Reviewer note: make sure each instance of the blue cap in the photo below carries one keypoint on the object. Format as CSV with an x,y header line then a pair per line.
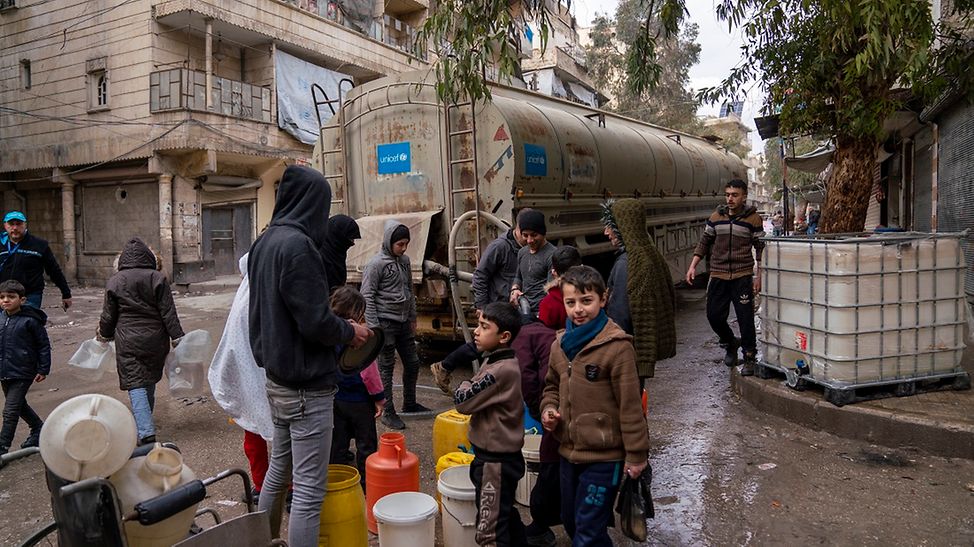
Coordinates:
x,y
15,215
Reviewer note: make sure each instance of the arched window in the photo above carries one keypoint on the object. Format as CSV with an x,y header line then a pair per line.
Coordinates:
x,y
101,90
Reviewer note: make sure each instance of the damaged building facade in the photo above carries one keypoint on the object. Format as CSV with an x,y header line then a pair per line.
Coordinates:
x,y
172,120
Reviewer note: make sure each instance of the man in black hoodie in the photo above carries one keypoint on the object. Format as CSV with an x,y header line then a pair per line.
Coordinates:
x,y
293,334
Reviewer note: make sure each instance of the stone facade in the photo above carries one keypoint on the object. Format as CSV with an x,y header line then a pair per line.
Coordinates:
x,y
120,119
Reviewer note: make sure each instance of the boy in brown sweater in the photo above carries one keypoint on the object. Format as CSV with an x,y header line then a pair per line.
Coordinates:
x,y
493,399
591,403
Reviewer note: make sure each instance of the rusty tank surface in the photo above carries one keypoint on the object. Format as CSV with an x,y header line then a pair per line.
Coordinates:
x,y
455,174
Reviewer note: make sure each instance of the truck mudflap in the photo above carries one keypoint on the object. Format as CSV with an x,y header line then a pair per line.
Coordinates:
x,y
372,229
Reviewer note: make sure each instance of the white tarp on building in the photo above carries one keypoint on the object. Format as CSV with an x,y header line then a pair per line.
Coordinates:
x,y
295,107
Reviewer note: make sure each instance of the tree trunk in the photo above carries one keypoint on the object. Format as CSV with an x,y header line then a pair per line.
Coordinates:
x,y
848,190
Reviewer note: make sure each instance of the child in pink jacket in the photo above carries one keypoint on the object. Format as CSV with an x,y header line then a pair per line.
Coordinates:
x,y
360,397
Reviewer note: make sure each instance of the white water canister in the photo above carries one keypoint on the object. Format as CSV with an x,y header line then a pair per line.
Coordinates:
x,y
459,508
145,478
93,358
88,436
532,463
406,519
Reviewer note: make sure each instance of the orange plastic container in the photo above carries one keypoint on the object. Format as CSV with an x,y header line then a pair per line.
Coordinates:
x,y
391,469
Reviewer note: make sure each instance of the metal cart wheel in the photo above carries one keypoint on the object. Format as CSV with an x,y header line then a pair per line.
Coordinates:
x,y
45,536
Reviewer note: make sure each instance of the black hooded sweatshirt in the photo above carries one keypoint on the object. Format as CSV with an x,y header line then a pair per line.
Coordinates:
x,y
293,331
342,233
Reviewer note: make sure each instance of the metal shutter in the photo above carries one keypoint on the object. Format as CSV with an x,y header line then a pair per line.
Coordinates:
x,y
955,185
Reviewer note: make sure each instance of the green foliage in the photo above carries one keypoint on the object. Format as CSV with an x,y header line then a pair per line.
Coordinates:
x,y
474,38
833,66
671,103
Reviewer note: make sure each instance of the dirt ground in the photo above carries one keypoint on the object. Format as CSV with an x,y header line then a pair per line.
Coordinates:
x,y
724,474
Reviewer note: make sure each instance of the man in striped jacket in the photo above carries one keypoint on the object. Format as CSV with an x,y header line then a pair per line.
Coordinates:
x,y
732,231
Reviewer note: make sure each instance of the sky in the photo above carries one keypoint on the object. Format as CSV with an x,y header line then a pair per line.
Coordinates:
x,y
719,51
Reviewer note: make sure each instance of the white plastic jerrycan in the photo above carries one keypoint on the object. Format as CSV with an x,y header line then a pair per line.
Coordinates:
x,y
144,478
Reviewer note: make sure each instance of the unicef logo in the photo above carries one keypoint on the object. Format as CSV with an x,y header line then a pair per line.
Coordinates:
x,y
394,158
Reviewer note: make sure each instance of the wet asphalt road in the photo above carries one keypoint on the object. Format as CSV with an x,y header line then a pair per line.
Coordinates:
x,y
724,474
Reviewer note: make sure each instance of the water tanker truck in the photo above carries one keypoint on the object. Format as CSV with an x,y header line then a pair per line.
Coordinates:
x,y
456,174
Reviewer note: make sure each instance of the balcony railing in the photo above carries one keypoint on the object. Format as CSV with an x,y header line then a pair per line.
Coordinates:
x,y
184,89
386,29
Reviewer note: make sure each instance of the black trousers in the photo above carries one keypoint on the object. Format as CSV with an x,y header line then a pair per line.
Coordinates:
x,y
495,477
15,407
399,337
721,293
463,355
546,498
353,420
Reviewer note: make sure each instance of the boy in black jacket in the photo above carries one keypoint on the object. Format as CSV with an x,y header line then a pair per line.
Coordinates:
x,y
25,358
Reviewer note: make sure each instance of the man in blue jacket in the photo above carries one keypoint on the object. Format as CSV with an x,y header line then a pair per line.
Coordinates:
x,y
26,257
293,334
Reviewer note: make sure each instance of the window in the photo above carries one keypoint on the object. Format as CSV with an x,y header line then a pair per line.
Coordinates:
x,y
7,4
101,90
25,73
97,84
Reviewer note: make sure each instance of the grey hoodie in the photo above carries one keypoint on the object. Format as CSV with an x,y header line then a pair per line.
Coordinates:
x,y
387,285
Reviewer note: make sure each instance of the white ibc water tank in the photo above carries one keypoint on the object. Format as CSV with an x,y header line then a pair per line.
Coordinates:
x,y
861,310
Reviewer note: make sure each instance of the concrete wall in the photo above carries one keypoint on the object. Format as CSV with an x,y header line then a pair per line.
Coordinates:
x,y
186,220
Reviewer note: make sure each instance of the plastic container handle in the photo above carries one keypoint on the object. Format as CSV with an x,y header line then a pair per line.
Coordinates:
x,y
399,455
456,518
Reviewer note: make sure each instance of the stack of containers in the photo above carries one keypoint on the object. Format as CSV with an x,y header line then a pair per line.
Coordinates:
x,y
865,310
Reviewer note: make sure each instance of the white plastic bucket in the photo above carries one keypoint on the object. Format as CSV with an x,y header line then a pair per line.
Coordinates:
x,y
532,461
406,519
459,509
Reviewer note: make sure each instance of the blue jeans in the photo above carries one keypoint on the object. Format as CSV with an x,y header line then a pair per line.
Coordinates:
x,y
35,299
143,403
303,424
588,494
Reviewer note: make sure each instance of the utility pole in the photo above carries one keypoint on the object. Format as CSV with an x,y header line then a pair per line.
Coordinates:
x,y
784,184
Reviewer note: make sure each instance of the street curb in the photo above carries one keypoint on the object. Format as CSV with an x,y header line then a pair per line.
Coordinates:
x,y
878,426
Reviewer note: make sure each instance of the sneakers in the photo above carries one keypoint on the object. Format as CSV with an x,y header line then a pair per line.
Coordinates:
x,y
730,358
392,420
441,377
34,439
414,408
750,361
151,439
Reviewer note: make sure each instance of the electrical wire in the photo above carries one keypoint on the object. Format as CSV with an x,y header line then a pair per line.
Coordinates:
x,y
116,158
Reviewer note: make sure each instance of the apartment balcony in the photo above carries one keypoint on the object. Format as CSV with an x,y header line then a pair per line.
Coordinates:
x,y
566,60
184,89
319,31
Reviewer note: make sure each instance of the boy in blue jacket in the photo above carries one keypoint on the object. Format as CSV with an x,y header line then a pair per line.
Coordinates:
x,y
25,358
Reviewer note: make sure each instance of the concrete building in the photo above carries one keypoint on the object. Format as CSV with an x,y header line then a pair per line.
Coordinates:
x,y
172,120
560,69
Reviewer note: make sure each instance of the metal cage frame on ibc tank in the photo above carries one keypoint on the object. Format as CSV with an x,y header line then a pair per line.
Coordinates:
x,y
818,359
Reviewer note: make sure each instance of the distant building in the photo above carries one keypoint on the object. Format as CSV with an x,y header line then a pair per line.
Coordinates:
x,y
173,120
560,71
